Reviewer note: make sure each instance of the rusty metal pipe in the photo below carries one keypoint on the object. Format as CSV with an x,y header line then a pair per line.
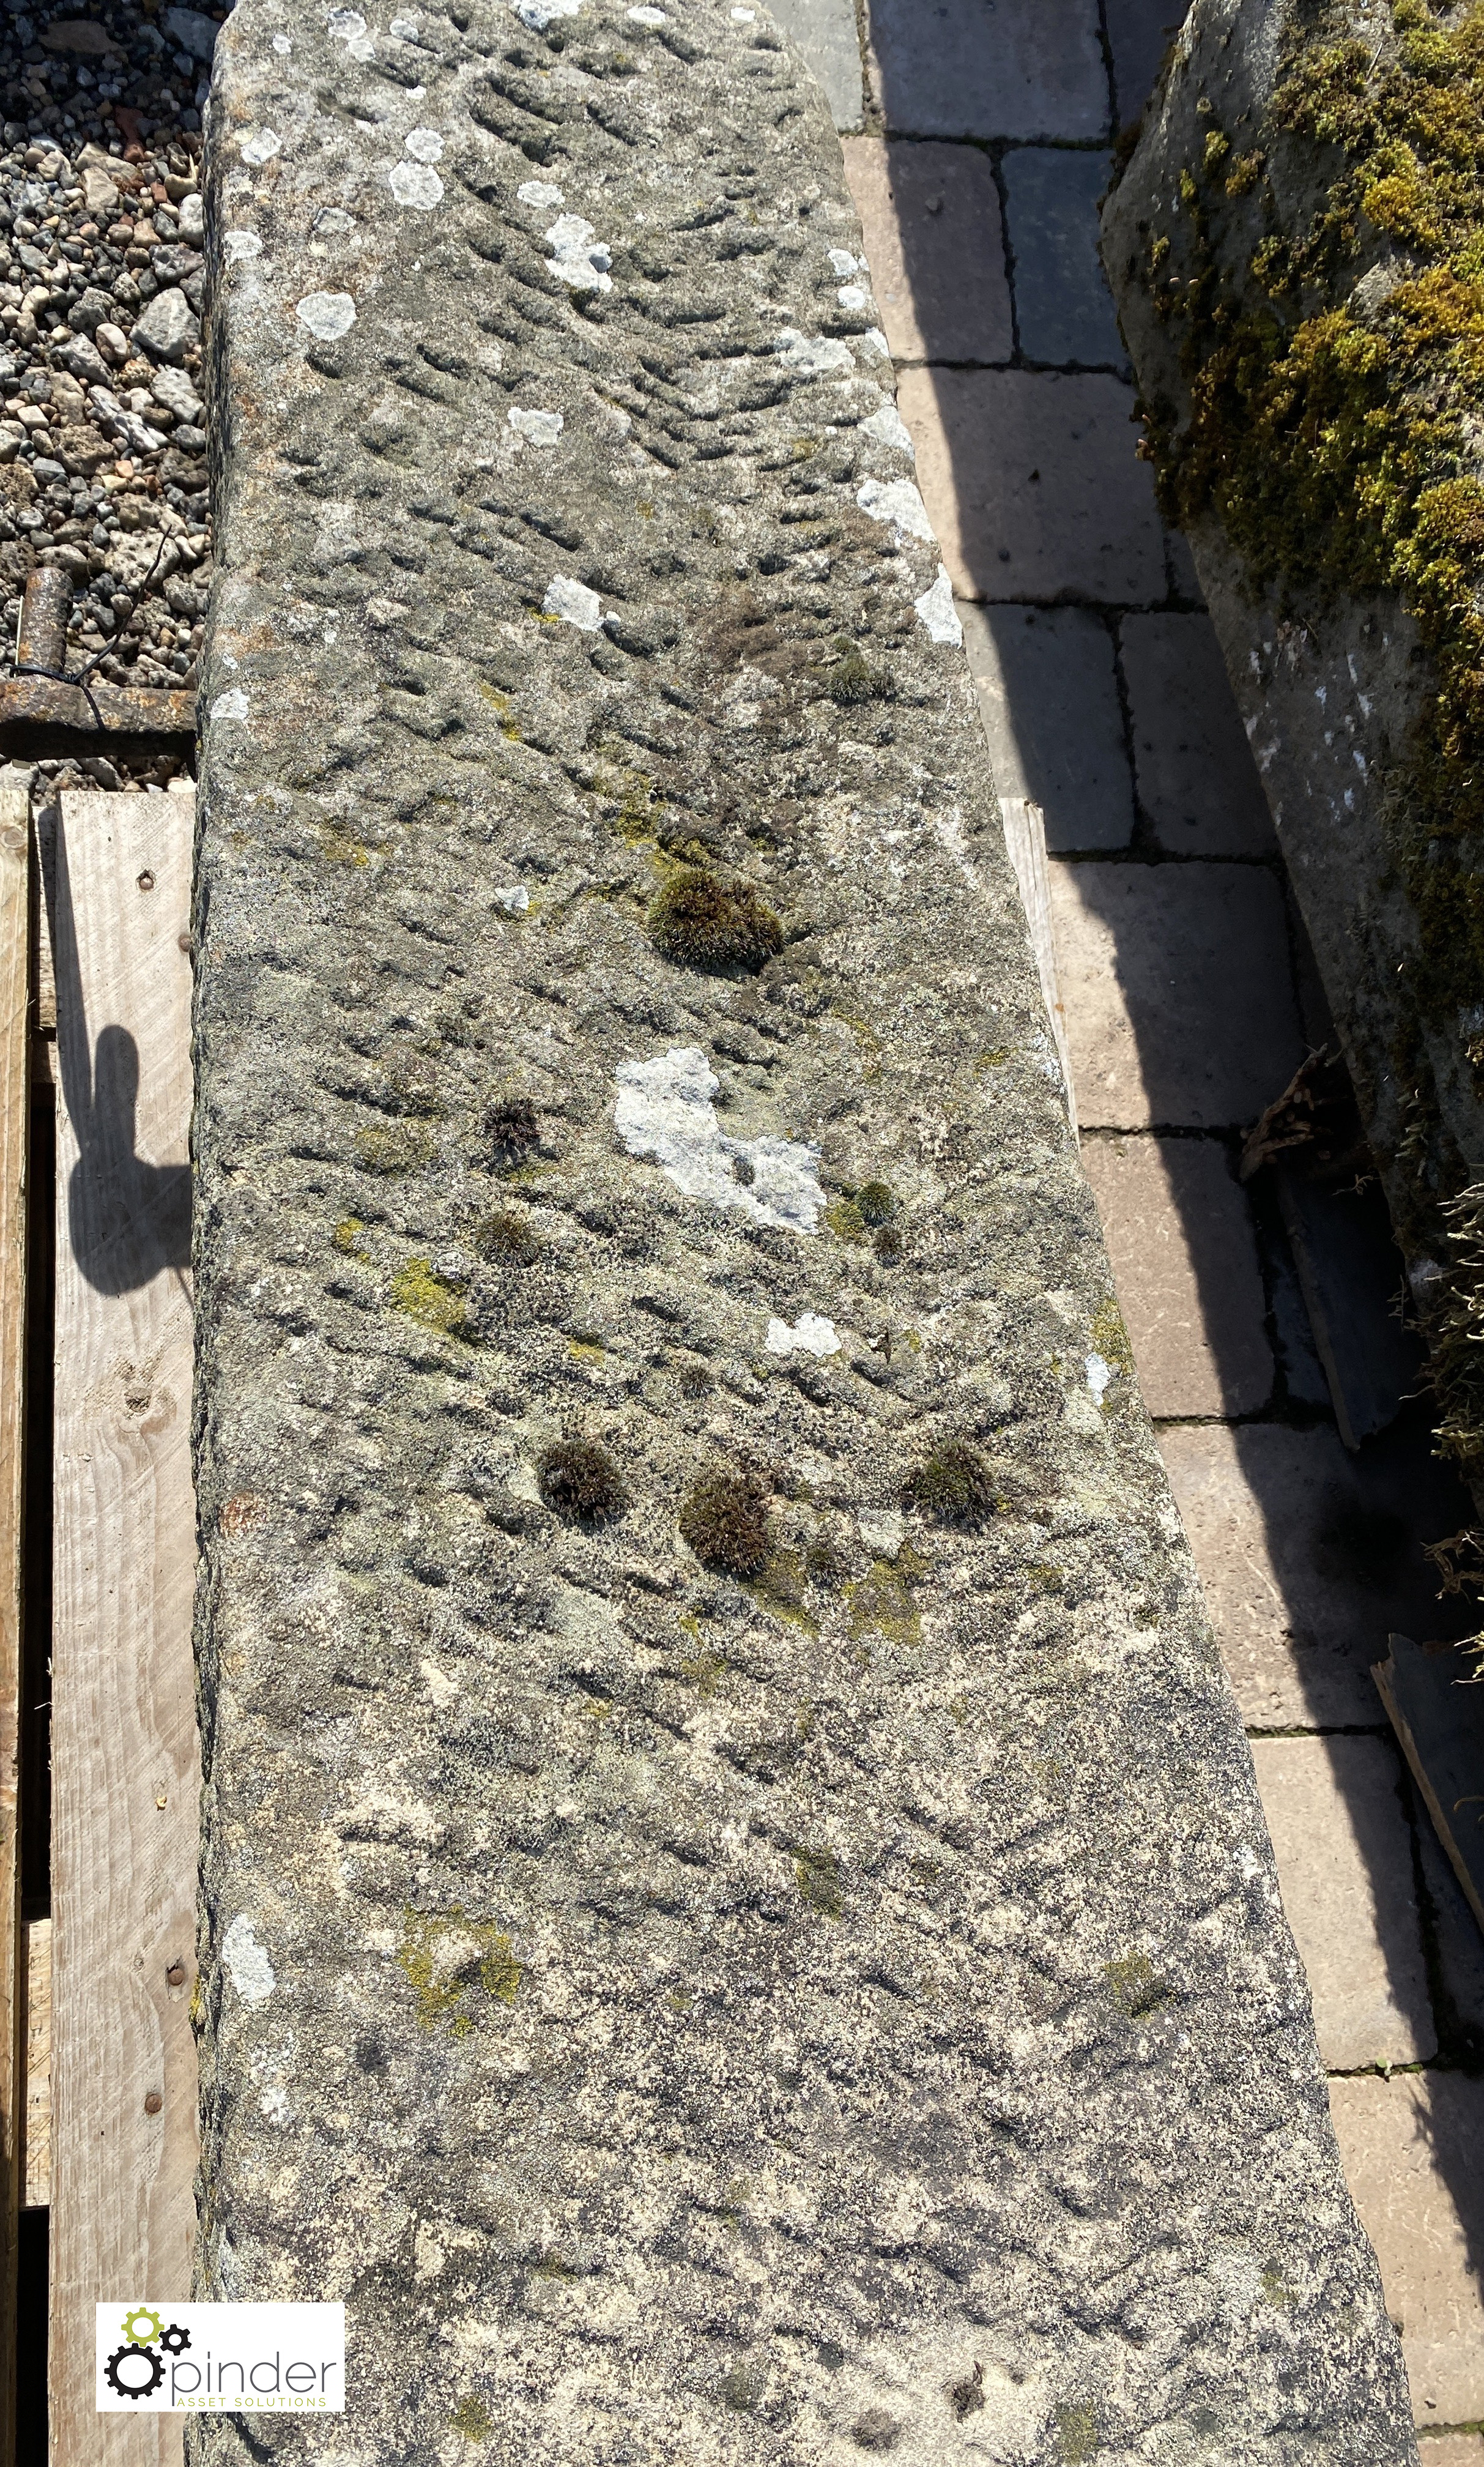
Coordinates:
x,y
45,609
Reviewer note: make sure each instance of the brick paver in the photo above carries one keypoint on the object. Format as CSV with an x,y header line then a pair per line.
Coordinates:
x,y
1179,1005
962,68
1032,487
1185,1265
1413,2152
1197,780
931,215
1344,1846
1305,1565
1063,308
1048,692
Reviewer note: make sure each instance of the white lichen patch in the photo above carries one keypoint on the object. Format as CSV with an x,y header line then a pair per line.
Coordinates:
x,y
416,185
936,607
578,258
649,16
853,298
327,314
349,27
537,427
874,344
809,1334
231,705
664,1113
238,246
332,223
538,14
842,263
514,899
888,427
573,601
423,144
1100,1377
258,145
539,193
898,502
246,1961
814,355
882,1529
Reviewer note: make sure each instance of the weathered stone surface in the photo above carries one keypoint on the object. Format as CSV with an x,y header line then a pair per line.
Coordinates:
x,y
1033,486
931,215
688,2017
1062,308
1048,690
1344,1851
1179,1005
1180,1236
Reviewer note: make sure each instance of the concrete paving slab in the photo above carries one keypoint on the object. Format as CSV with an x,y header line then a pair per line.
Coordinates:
x,y
1033,486
1063,304
1197,780
1413,2153
1456,1950
1451,2449
825,33
933,237
957,68
1186,1266
1185,581
1140,31
1344,1847
1175,979
1306,1565
1049,693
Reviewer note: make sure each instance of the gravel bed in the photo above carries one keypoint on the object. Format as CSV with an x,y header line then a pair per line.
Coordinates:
x,y
102,431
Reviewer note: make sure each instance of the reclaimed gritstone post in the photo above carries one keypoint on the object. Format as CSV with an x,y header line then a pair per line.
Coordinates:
x,y
739,1924
1292,247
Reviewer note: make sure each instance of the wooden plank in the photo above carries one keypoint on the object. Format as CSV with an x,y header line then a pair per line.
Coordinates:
x,y
1025,840
36,2171
1436,1707
14,1156
126,1763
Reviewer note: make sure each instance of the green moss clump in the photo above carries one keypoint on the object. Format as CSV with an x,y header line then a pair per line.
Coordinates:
x,y
844,1221
820,1881
393,1148
850,677
442,1984
877,1202
1076,2434
953,1484
472,2419
579,1481
425,1296
514,1130
724,1517
712,922
506,1238
1135,1986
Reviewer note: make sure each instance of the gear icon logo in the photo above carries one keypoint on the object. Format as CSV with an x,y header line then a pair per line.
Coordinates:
x,y
175,2338
142,2326
134,2371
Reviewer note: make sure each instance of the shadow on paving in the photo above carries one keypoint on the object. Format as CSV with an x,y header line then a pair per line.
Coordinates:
x,y
1312,1551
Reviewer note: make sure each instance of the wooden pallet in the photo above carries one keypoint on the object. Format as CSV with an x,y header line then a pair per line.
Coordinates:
x,y
125,1756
